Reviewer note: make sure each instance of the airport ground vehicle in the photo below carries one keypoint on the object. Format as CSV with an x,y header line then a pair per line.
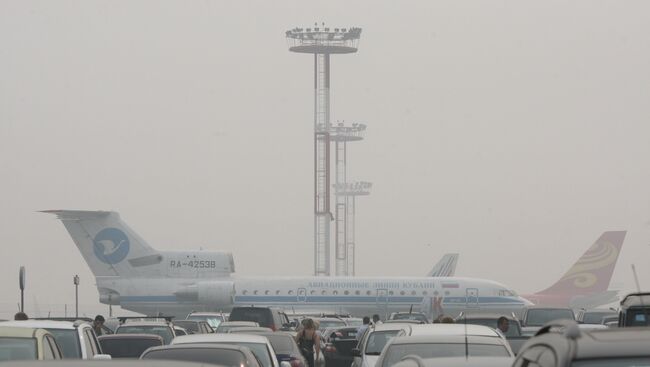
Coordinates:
x,y
225,326
212,318
77,340
18,343
128,345
418,316
373,342
221,354
285,347
635,310
513,335
562,343
164,329
195,327
594,316
259,345
534,317
436,346
269,317
415,361
337,345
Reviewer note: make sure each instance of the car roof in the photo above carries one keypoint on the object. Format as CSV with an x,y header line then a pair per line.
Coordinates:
x,y
391,326
636,299
239,323
495,316
447,339
129,336
451,361
144,323
216,338
248,329
21,332
201,346
547,308
630,342
44,324
453,329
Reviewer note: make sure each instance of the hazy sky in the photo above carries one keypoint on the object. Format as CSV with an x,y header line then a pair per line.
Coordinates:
x,y
512,132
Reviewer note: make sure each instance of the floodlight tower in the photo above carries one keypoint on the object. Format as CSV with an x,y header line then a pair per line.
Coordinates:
x,y
351,190
322,42
341,134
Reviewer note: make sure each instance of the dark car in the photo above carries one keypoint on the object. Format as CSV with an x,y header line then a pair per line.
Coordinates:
x,y
222,354
563,343
128,345
635,310
535,317
594,316
337,346
269,317
514,335
285,347
195,327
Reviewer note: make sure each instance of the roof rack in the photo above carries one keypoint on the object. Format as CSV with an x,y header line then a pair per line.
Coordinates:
x,y
123,319
568,328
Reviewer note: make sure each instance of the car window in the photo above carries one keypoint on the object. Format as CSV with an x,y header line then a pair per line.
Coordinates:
x,y
436,350
540,317
260,315
15,349
127,348
377,341
282,344
260,350
68,341
162,331
595,317
224,357
324,324
513,327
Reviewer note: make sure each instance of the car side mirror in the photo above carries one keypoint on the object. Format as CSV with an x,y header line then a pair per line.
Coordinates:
x,y
355,352
102,357
285,364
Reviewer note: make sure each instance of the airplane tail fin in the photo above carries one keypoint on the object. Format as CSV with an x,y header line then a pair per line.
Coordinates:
x,y
446,267
593,271
107,244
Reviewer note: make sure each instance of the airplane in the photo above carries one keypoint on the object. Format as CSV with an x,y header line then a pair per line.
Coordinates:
x,y
137,277
446,267
586,283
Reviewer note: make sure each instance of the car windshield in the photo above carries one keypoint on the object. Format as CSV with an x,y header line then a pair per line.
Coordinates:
x,y
409,316
213,321
377,341
639,317
260,350
540,317
127,348
223,357
354,322
188,325
513,327
283,344
162,331
324,324
614,362
430,350
15,349
260,315
68,341
595,317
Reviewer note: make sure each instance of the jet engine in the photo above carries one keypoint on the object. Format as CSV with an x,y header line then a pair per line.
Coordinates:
x,y
216,293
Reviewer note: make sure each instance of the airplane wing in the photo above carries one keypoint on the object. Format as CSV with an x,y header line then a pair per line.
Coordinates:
x,y
446,267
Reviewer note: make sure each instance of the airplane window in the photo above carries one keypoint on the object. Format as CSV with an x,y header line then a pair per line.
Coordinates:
x,y
335,293
346,292
402,293
413,293
390,293
323,293
357,293
368,293
244,292
266,292
446,293
290,292
312,292
424,293
277,292
255,291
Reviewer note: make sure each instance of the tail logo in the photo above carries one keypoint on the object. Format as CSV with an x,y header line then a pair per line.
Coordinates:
x,y
111,245
601,255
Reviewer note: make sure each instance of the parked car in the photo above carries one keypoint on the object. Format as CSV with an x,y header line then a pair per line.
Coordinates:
x,y
214,319
594,316
128,345
534,317
105,329
286,349
563,343
221,354
225,326
194,326
635,310
259,345
179,331
77,340
415,361
163,329
269,317
249,330
329,322
337,345
18,343
418,316
513,335
443,346
373,342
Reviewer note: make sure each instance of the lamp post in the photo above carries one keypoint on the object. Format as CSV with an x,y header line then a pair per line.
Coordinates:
x,y
21,284
75,280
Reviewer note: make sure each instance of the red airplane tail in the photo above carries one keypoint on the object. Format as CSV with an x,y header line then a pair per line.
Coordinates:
x,y
593,271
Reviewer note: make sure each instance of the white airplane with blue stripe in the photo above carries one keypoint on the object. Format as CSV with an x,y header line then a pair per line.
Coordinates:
x,y
135,276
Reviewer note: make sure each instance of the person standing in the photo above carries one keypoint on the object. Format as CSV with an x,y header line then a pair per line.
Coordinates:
x,y
97,325
362,329
308,341
503,324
